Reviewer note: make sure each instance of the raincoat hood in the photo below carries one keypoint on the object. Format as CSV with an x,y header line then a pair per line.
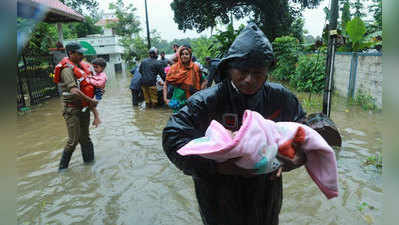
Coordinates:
x,y
250,46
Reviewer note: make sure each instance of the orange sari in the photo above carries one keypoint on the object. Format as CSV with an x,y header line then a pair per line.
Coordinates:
x,y
186,77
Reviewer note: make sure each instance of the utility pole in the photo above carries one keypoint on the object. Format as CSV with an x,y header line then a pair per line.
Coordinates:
x,y
148,26
332,37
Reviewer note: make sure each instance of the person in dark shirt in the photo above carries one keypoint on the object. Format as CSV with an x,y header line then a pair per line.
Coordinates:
x,y
149,69
163,60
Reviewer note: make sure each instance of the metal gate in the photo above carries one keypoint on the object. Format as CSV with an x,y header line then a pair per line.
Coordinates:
x,y
34,79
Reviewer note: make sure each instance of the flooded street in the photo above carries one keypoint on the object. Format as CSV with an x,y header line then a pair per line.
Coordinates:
x,y
133,182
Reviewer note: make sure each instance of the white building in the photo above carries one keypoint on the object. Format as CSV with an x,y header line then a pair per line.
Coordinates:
x,y
105,45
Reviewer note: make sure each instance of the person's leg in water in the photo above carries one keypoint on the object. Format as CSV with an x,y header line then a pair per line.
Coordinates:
x,y
135,97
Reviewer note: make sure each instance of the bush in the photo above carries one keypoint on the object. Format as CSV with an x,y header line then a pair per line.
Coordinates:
x,y
310,73
286,50
366,101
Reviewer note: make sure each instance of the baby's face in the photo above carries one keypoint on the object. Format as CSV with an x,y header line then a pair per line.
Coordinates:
x,y
233,134
98,68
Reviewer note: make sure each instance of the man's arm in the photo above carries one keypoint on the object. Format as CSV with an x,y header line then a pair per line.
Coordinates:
x,y
165,92
183,127
69,82
78,93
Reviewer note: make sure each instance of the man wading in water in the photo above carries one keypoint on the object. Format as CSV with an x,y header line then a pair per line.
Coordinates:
x,y
228,194
77,120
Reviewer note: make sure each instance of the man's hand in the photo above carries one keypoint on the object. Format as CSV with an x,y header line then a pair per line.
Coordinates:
x,y
93,102
230,168
289,164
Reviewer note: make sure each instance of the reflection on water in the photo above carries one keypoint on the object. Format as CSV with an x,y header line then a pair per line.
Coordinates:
x,y
132,181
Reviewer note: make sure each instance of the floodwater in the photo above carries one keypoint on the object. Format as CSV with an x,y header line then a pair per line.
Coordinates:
x,y
132,181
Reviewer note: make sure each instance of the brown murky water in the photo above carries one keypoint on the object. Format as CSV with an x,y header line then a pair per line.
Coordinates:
x,y
132,181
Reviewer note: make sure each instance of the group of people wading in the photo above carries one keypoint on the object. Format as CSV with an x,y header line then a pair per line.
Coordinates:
x,y
170,81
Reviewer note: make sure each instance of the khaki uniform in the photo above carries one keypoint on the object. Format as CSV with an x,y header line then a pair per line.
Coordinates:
x,y
77,122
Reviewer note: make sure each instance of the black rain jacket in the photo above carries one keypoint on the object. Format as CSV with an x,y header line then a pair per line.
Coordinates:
x,y
149,69
223,199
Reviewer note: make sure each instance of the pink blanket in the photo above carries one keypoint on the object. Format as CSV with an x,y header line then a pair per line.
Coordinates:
x,y
259,140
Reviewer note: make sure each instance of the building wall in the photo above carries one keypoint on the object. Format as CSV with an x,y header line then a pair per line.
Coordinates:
x,y
366,72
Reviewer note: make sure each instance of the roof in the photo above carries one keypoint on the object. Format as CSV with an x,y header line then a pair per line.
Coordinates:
x,y
56,11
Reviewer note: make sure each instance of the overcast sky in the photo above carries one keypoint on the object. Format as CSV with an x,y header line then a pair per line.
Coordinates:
x,y
160,16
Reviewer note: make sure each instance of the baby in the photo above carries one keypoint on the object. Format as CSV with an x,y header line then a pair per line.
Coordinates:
x,y
257,143
98,80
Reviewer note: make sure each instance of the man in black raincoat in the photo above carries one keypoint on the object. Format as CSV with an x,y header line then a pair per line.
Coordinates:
x,y
228,194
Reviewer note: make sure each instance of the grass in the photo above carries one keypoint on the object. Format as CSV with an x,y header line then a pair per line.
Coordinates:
x,y
366,101
375,160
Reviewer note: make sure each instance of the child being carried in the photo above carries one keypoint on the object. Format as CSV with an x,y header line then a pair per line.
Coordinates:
x,y
98,79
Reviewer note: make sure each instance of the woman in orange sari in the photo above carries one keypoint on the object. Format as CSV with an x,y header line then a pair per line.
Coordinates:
x,y
186,78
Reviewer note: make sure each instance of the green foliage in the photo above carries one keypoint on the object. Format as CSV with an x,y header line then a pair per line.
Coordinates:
x,y
273,17
286,50
224,39
375,160
365,205
43,37
128,23
356,30
296,29
82,6
376,9
326,11
135,48
345,14
366,101
128,27
358,9
82,29
202,48
310,73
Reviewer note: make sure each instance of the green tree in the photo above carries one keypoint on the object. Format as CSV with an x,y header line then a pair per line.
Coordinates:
x,y
345,13
202,48
81,6
82,29
296,29
224,39
128,27
127,24
274,17
376,9
44,36
358,9
135,48
356,30
286,50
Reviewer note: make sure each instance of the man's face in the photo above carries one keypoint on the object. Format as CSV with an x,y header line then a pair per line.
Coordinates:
x,y
249,81
75,57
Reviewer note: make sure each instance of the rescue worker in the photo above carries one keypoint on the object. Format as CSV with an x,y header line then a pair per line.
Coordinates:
x,y
77,120
226,193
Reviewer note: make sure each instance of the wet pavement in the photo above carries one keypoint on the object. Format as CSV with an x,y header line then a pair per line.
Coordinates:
x,y
132,181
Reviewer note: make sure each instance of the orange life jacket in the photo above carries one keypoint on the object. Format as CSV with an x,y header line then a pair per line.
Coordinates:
x,y
80,75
